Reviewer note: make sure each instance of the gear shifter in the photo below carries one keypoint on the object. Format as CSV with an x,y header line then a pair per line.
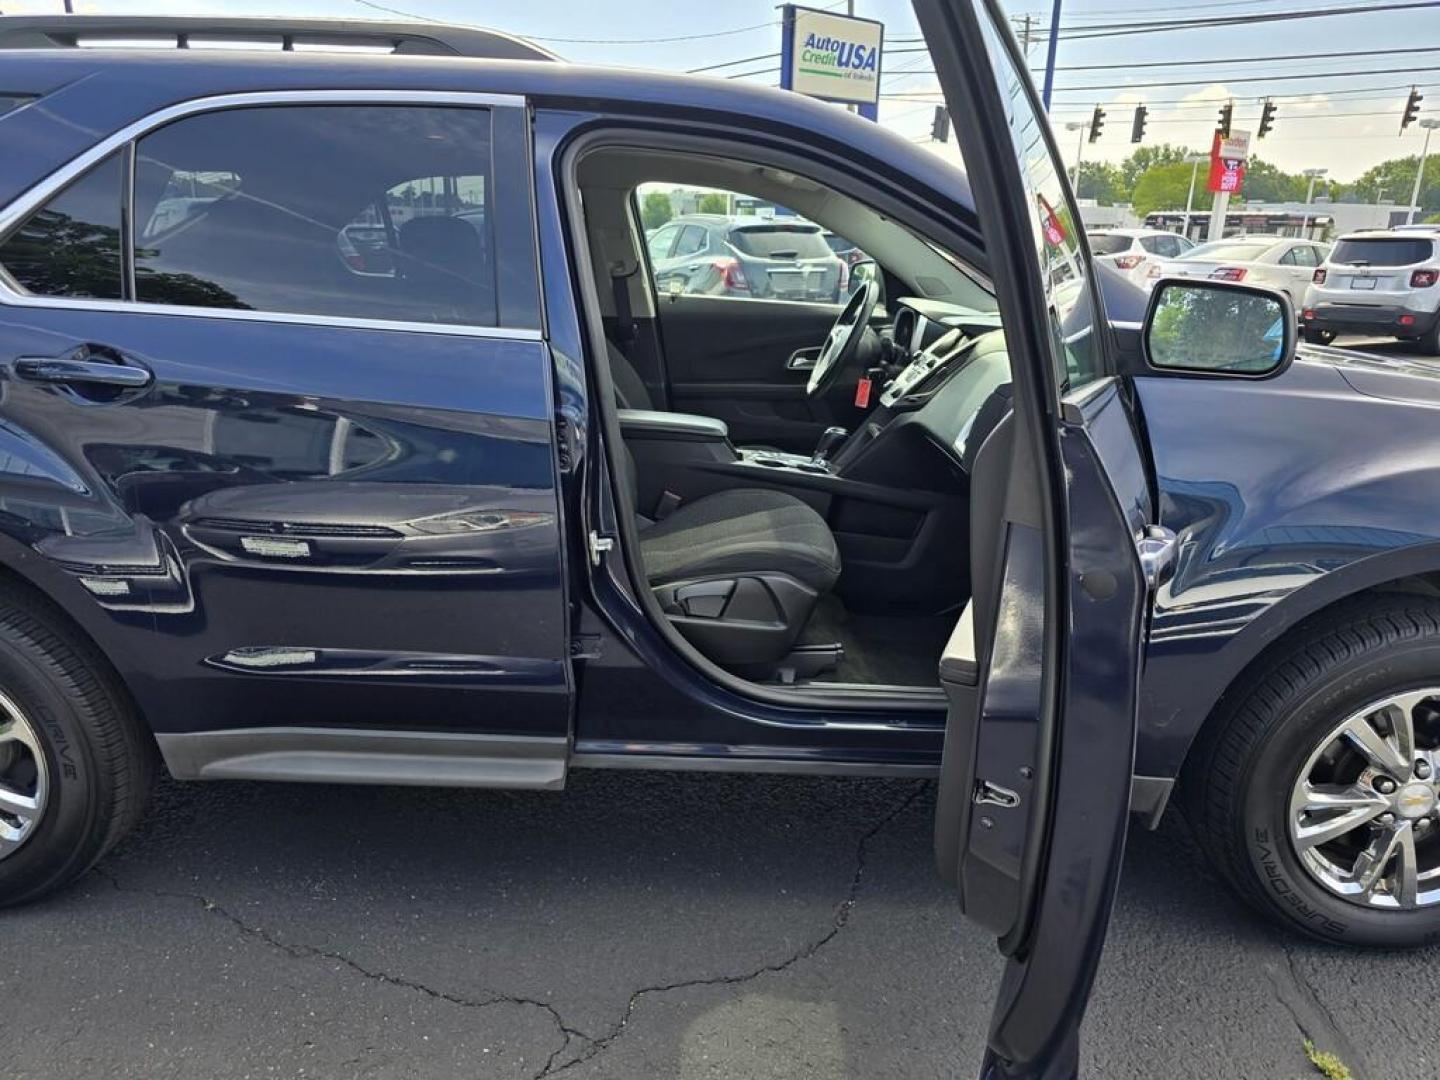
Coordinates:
x,y
829,442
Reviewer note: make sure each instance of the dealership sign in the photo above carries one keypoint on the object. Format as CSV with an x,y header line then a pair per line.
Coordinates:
x,y
832,57
1228,155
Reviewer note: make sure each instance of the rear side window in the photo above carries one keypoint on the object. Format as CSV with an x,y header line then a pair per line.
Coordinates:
x,y
1382,251
353,211
780,242
691,242
1108,244
72,245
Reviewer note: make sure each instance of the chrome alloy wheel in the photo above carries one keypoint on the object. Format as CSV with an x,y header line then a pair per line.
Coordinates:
x,y
1365,808
23,778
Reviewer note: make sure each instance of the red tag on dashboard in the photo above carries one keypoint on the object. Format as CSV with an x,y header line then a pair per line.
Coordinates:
x,y
862,394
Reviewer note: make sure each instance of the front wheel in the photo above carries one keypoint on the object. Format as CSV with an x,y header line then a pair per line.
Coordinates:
x,y
1316,792
75,765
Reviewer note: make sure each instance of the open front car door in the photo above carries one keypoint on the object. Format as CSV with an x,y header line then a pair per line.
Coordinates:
x,y
1042,670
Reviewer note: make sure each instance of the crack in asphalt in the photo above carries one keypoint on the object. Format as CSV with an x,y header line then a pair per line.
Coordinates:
x,y
1311,1016
595,1045
309,952
600,1044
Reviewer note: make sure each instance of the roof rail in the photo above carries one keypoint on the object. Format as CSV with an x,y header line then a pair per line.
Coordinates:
x,y
289,35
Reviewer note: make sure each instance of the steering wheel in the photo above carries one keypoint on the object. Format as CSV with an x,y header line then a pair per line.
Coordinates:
x,y
843,341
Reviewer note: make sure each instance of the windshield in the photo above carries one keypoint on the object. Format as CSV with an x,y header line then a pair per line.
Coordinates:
x,y
1108,243
780,241
1382,251
1229,249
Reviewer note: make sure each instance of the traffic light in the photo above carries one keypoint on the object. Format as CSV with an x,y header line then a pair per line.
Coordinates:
x,y
1412,108
940,126
1137,129
1226,112
1097,123
1267,119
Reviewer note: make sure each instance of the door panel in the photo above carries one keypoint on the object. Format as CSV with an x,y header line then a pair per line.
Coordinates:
x,y
290,535
1035,783
286,514
729,358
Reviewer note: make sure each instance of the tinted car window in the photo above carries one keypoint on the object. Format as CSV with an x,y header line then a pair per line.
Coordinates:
x,y
692,240
1299,255
1068,282
780,241
398,193
1108,243
1229,249
71,245
1382,251
660,241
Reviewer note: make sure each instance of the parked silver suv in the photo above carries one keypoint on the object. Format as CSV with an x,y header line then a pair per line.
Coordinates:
x,y
1374,282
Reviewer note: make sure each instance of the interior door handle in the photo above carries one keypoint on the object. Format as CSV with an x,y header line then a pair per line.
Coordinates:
x,y
64,369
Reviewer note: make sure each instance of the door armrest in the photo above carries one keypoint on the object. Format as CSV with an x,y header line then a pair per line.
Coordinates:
x,y
681,427
959,663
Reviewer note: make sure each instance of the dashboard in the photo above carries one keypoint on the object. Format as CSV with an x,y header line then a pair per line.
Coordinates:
x,y
951,360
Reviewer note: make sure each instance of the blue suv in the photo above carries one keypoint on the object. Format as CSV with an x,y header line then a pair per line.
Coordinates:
x,y
345,436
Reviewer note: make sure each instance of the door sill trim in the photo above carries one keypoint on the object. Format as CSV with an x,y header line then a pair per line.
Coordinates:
x,y
357,756
732,764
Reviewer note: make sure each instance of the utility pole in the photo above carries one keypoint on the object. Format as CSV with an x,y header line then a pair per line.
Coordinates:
x,y
1050,55
1195,160
1025,37
1313,174
1429,126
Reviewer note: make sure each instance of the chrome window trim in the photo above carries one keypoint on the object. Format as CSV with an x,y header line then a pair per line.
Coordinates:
x,y
40,193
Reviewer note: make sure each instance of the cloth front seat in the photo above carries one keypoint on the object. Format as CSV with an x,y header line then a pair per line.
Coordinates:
x,y
745,531
738,572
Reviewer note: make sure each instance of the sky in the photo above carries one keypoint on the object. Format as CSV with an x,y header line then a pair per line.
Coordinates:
x,y
1324,119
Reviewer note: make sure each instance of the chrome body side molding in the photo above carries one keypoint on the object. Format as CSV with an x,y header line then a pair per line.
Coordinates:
x,y
350,756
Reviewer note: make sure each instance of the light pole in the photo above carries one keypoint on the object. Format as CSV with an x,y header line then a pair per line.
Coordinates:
x,y
1429,126
1194,160
1082,127
1313,174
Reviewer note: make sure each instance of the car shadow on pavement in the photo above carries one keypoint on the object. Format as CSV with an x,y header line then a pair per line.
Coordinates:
x,y
638,924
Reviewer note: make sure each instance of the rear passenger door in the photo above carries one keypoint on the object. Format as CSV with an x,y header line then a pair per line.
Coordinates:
x,y
283,367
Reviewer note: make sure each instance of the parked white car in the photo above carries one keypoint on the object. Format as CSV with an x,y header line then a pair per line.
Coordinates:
x,y
1285,263
1134,251
1385,283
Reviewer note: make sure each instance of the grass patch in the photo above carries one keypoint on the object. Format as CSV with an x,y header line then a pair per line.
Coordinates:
x,y
1327,1064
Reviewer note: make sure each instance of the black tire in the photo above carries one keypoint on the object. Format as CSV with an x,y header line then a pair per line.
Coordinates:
x,y
1319,337
1429,343
98,760
1239,778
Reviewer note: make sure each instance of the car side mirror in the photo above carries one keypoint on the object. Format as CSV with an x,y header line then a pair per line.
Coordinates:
x,y
864,270
1218,328
674,287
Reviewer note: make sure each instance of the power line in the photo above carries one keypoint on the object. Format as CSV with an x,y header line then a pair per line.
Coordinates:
x,y
1290,77
1347,54
1100,30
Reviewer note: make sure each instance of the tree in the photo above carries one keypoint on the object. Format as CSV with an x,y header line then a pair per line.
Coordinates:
x,y
1164,187
713,202
1266,183
1396,178
655,209
1147,157
1102,182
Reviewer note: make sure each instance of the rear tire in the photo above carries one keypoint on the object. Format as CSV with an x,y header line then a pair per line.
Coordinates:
x,y
1273,733
71,748
1429,343
1319,337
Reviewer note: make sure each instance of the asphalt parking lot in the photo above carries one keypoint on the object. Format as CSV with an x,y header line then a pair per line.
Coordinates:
x,y
1381,346
637,925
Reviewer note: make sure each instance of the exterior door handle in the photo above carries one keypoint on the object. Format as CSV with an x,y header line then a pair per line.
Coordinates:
x,y
1158,547
66,369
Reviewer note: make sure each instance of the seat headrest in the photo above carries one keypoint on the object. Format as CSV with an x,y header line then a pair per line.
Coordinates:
x,y
446,244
